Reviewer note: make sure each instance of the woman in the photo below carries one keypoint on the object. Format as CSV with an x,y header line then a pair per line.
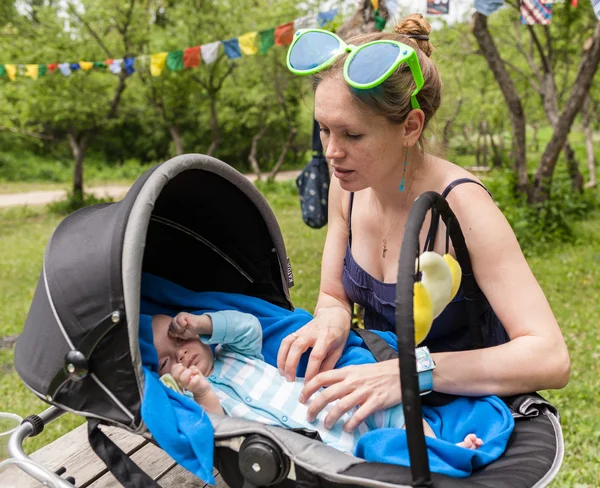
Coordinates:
x,y
374,143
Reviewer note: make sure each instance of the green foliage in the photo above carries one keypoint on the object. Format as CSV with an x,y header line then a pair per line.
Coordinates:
x,y
74,202
539,228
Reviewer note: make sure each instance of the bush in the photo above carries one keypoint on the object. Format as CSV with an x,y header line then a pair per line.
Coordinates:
x,y
539,227
74,202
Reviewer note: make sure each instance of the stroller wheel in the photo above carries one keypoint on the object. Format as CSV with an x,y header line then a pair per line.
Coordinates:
x,y
261,462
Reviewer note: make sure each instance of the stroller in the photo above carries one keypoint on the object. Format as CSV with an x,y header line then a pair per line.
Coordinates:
x,y
82,330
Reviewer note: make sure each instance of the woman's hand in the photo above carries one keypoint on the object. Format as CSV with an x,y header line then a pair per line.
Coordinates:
x,y
326,334
371,387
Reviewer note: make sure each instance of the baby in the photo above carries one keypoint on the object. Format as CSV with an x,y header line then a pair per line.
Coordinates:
x,y
238,382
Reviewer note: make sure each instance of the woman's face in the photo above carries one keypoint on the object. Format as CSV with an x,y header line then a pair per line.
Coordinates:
x,y
365,150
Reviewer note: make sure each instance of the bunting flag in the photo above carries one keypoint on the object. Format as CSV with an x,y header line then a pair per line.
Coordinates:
x,y
488,7
232,48
438,7
11,71
247,43
536,12
574,3
596,7
175,60
284,34
324,18
191,57
157,63
267,40
115,66
210,52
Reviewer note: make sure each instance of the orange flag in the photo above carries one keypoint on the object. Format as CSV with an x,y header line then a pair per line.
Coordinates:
x,y
284,34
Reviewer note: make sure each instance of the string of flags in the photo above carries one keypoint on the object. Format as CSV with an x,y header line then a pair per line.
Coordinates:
x,y
245,45
531,11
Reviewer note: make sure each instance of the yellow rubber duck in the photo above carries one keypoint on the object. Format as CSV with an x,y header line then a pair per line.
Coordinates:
x,y
440,280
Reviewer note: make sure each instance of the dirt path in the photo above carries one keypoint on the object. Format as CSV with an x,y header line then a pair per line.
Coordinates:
x,y
115,192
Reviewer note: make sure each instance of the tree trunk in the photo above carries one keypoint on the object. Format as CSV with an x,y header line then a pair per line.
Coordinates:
x,y
78,148
214,126
252,155
449,123
517,117
583,82
467,137
589,144
284,151
496,156
534,144
550,104
483,133
174,131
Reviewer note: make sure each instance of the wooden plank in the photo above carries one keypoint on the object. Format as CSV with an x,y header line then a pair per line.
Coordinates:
x,y
179,477
74,453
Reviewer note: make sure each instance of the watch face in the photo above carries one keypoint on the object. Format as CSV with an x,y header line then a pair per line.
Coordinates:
x,y
424,360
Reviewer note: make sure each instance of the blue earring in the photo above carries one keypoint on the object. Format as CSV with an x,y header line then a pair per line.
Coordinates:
x,y
401,187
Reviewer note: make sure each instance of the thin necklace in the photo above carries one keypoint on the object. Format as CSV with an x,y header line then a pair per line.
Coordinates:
x,y
401,188
384,240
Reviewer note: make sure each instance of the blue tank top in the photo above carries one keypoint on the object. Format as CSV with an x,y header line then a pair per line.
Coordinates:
x,y
450,330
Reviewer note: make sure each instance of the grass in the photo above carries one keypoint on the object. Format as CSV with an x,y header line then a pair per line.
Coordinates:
x,y
570,276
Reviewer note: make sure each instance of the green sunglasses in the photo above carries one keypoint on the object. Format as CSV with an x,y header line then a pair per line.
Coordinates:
x,y
367,66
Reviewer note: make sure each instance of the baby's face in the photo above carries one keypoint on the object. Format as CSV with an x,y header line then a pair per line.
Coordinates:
x,y
172,350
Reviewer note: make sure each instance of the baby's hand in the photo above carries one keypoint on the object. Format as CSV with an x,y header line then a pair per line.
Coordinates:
x,y
187,326
192,380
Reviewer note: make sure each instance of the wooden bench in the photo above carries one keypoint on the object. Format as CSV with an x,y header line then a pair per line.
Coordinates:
x,y
74,453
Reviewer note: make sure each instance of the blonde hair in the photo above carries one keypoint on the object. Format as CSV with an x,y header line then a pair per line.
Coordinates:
x,y
391,99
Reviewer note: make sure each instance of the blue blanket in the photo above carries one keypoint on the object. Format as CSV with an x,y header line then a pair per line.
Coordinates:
x,y
184,431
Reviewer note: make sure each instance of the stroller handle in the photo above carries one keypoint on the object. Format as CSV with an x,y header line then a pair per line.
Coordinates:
x,y
405,330
23,461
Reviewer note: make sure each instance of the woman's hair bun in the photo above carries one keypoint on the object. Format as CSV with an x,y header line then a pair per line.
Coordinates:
x,y
416,25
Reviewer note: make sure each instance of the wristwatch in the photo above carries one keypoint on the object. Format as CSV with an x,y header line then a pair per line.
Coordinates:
x,y
425,367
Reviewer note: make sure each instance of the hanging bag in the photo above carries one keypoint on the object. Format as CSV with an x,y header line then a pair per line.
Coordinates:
x,y
313,185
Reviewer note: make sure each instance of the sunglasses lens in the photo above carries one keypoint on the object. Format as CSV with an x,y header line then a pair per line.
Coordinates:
x,y
371,62
312,50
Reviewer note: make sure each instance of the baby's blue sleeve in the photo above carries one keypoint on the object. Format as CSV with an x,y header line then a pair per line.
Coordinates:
x,y
237,332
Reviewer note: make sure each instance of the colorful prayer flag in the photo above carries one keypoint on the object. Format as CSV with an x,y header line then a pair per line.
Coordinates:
x,y
267,40
247,43
11,71
175,60
101,64
31,70
129,69
86,65
42,70
74,66
284,34
306,22
232,48
326,17
438,7
52,67
65,68
157,63
2,70
488,7
115,66
210,52
536,12
375,4
191,57
596,7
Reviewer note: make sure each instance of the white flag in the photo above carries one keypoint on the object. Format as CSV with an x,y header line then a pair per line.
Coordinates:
x,y
210,52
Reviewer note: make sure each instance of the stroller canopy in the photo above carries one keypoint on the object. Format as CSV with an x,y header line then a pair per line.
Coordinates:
x,y
192,220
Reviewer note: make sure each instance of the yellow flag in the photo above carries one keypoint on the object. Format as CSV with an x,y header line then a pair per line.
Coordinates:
x,y
11,71
157,63
85,65
375,4
32,70
247,43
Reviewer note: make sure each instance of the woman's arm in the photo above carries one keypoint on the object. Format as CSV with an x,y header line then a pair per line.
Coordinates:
x,y
536,357
328,331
